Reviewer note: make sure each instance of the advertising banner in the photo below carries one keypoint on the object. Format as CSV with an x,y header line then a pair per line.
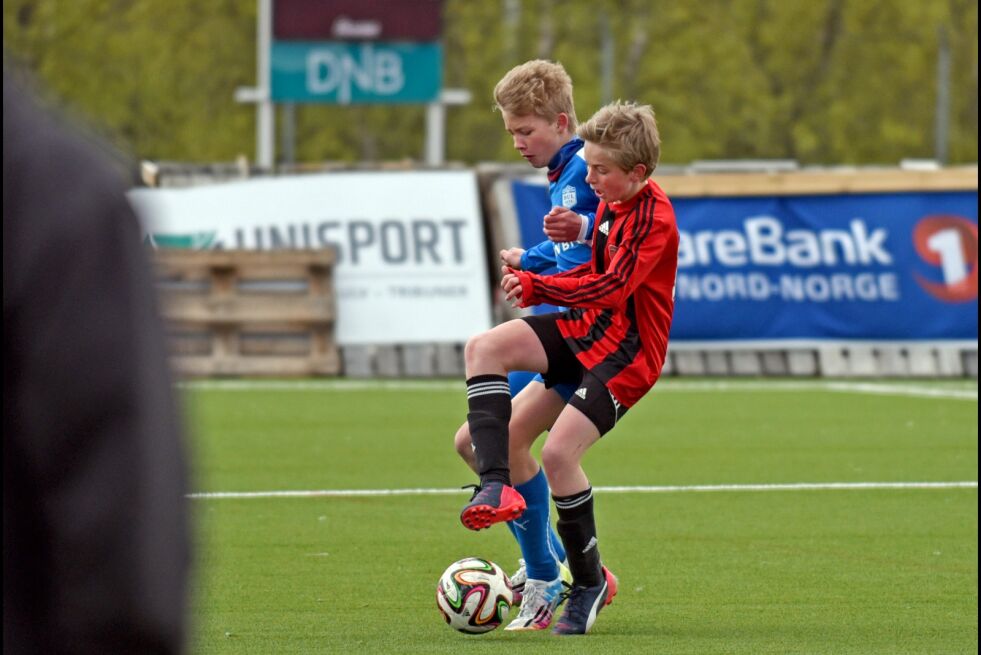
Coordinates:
x,y
356,73
871,266
411,256
358,20
356,51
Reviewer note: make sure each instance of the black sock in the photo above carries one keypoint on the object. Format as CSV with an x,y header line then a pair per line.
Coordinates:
x,y
577,527
489,399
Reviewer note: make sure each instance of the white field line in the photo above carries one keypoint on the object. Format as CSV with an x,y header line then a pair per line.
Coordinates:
x,y
919,391
796,486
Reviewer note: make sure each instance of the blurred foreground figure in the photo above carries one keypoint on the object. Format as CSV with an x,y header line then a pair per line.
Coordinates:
x,y
95,538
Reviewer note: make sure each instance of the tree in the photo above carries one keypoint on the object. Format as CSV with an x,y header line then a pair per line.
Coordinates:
x,y
821,81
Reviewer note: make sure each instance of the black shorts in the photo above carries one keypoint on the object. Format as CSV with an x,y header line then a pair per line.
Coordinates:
x,y
592,398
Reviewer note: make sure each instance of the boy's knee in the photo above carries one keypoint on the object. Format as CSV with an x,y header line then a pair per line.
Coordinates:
x,y
554,460
478,348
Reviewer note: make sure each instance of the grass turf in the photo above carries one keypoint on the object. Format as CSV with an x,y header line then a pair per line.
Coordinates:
x,y
830,571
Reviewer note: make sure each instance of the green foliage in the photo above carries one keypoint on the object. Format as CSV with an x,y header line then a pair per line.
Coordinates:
x,y
159,76
821,81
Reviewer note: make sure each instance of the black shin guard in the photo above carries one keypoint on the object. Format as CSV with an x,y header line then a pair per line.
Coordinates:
x,y
577,527
489,399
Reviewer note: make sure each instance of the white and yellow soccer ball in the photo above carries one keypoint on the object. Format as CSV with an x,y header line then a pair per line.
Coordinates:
x,y
474,595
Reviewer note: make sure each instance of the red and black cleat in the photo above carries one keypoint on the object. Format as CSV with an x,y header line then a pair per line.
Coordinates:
x,y
495,502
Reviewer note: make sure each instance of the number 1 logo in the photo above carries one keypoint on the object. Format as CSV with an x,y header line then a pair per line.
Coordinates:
x,y
950,243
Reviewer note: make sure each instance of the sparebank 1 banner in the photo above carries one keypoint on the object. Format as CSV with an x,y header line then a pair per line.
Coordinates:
x,y
879,266
411,262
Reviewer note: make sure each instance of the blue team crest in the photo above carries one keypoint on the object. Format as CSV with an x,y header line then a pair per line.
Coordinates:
x,y
569,196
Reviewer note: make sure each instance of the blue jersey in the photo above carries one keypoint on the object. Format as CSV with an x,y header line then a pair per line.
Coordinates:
x,y
566,188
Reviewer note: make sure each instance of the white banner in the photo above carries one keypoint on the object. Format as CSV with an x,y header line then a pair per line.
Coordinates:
x,y
411,260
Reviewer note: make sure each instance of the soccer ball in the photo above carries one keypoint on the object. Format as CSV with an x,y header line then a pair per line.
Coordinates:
x,y
474,595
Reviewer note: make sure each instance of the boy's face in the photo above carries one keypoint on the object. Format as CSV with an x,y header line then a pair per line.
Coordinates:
x,y
610,182
535,138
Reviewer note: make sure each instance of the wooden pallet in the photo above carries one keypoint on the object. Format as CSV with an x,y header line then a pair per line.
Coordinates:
x,y
249,313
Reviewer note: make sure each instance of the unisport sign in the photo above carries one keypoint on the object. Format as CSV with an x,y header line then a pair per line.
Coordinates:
x,y
411,261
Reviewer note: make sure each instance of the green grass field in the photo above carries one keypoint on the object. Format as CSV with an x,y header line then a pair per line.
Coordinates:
x,y
779,570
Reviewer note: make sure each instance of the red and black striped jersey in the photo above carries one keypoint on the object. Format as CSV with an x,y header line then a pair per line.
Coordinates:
x,y
623,300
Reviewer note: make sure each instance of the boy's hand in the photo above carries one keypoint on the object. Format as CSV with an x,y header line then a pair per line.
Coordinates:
x,y
562,225
511,258
512,288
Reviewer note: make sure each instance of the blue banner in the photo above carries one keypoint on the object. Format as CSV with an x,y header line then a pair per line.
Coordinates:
x,y
873,266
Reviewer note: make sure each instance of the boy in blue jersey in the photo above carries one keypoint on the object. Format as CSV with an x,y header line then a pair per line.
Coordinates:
x,y
535,101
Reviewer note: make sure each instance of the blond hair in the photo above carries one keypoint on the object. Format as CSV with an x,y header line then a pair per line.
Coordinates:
x,y
627,131
537,88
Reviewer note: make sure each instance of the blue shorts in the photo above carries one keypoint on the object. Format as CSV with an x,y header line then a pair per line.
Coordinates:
x,y
520,379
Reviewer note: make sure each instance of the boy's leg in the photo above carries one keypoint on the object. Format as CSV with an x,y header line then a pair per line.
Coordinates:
x,y
532,528
535,410
489,356
518,380
463,445
574,432
569,439
555,543
494,499
564,375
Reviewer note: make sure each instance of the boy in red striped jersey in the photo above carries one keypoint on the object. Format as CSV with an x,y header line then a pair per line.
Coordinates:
x,y
536,102
611,344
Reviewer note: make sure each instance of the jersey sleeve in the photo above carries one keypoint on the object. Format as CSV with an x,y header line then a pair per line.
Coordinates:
x,y
587,233
645,241
539,258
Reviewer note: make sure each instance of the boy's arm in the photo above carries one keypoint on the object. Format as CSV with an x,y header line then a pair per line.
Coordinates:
x,y
588,226
574,205
539,258
578,271
642,248
563,225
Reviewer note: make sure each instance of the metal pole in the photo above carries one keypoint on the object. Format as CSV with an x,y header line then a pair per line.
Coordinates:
x,y
287,132
942,119
435,128
265,110
435,154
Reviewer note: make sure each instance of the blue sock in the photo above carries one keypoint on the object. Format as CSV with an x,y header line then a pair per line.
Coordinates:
x,y
554,543
535,533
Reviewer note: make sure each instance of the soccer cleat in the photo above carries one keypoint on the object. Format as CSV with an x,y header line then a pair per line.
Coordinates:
x,y
566,575
584,603
518,582
538,604
519,577
495,502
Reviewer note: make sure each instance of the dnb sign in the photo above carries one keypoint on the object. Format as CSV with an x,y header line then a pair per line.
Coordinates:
x,y
356,51
352,73
330,72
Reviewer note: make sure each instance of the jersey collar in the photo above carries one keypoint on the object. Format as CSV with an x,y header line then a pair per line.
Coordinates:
x,y
562,157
